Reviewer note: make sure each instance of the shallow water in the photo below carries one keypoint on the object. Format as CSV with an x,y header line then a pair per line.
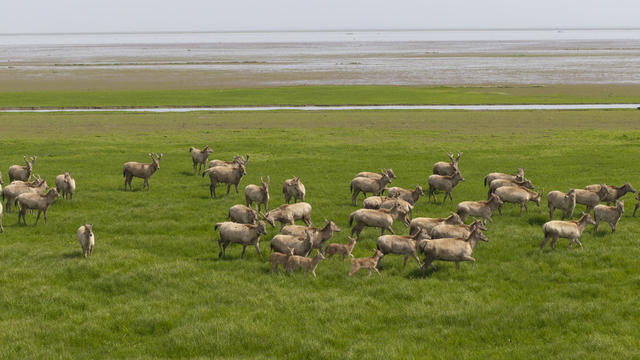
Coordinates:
x,y
313,58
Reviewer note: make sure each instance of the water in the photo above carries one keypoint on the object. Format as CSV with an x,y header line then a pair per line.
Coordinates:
x,y
437,57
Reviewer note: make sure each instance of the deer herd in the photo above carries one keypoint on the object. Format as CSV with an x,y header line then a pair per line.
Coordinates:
x,y
444,239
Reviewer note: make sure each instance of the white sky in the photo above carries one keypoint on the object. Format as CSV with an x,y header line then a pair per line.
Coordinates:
x,y
51,16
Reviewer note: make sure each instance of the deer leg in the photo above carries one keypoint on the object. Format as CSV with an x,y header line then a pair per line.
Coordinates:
x,y
579,243
236,185
595,226
45,216
212,191
228,188
376,270
457,265
546,237
220,246
390,230
553,242
551,213
425,265
38,218
244,247
520,209
258,249
354,197
613,226
307,220
636,209
416,257
473,261
369,271
404,265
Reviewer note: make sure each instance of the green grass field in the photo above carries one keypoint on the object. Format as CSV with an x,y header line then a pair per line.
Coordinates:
x,y
325,95
155,288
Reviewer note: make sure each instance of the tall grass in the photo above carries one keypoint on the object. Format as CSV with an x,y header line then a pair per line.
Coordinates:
x,y
155,286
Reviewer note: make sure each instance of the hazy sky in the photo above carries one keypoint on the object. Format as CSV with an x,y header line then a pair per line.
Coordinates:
x,y
47,16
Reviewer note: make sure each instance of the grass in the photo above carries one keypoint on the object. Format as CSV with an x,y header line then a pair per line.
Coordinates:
x,y
155,287
325,95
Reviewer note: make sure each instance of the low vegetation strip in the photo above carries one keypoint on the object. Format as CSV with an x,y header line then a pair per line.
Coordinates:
x,y
154,285
325,95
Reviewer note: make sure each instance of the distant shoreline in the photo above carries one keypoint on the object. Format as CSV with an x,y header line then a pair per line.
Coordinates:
x,y
322,30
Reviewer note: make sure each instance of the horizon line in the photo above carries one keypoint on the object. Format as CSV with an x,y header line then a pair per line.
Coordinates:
x,y
321,30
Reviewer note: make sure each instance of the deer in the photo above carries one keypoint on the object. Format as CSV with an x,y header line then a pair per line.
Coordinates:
x,y
23,173
224,174
199,157
86,239
445,168
133,169
369,263
66,185
445,183
570,229
258,194
365,185
451,249
293,188
34,201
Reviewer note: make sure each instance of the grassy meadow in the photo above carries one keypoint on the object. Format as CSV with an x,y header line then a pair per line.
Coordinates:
x,y
323,95
155,287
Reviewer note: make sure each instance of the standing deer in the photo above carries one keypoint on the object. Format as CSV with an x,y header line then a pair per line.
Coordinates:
x,y
19,172
294,188
133,169
445,183
200,158
258,194
225,174
33,201
365,185
445,168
